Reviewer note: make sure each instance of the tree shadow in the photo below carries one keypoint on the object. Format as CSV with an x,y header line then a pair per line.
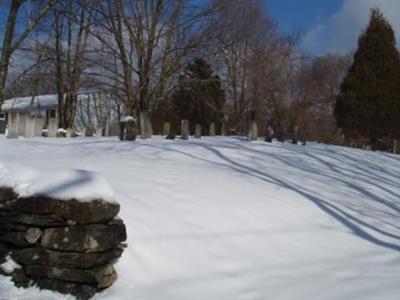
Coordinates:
x,y
356,224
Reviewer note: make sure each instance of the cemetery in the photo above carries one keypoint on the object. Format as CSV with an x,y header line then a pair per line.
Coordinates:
x,y
199,150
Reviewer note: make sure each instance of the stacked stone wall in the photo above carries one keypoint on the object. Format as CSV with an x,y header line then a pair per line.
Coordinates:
x,y
67,246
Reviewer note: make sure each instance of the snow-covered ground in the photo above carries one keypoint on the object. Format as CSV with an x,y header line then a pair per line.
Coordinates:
x,y
224,219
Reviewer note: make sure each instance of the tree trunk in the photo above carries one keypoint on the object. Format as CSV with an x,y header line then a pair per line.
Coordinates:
x,y
7,45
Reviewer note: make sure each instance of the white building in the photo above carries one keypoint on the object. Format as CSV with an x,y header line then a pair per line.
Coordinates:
x,y
28,116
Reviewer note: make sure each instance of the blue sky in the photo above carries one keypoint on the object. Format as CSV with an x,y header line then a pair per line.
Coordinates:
x,y
329,26
301,15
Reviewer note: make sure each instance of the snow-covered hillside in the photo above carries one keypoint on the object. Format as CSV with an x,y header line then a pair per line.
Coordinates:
x,y
224,219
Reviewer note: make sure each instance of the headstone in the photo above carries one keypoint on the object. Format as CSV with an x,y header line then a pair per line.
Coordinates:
x,y
224,127
185,129
296,134
70,132
99,131
130,130
253,128
107,128
89,130
197,131
146,130
166,128
212,129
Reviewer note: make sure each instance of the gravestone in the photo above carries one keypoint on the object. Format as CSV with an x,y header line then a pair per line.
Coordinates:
x,y
99,132
253,128
146,131
197,131
89,130
212,129
185,129
224,127
130,130
70,132
166,128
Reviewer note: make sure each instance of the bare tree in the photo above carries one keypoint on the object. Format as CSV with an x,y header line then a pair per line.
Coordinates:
x,y
11,42
254,60
71,24
150,40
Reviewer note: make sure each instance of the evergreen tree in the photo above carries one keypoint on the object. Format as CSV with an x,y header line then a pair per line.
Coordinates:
x,y
368,104
198,96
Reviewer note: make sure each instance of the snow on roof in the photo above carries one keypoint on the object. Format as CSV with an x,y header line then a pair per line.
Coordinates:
x,y
39,103
69,184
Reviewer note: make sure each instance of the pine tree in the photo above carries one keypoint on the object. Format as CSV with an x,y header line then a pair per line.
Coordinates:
x,y
198,96
368,104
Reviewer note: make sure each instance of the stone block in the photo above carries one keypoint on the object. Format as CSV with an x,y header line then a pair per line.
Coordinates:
x,y
85,238
96,211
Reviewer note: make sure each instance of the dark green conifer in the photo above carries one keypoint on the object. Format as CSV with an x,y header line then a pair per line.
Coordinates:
x,y
198,96
369,101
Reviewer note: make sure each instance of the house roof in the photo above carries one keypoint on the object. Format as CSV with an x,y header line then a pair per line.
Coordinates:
x,y
39,103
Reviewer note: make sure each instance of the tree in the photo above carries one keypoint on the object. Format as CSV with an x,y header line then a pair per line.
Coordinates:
x,y
149,40
11,42
241,28
317,85
369,101
199,96
71,28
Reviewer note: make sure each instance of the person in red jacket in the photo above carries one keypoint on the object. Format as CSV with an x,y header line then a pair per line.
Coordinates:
x,y
269,134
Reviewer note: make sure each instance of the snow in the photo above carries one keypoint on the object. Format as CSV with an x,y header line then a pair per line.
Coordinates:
x,y
128,119
9,265
65,184
221,218
40,103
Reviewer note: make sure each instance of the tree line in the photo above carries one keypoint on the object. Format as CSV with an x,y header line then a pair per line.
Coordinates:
x,y
165,60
